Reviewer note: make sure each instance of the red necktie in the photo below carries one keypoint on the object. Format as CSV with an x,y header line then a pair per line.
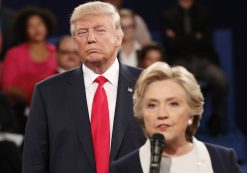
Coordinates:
x,y
100,127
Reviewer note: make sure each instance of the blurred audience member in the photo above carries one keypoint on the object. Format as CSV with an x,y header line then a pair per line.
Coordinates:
x,y
142,34
129,50
150,54
188,40
10,156
8,121
67,56
7,39
33,60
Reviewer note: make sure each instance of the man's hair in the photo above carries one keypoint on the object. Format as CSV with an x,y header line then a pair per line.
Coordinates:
x,y
95,8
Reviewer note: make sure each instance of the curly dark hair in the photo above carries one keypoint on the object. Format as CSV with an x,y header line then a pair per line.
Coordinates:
x,y
20,25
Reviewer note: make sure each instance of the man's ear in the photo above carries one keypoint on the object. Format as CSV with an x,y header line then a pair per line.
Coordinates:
x,y
119,40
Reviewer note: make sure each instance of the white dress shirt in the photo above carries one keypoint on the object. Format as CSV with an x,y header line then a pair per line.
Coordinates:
x,y
131,59
110,87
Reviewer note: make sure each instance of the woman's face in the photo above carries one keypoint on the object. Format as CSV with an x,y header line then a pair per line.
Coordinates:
x,y
36,29
128,26
166,111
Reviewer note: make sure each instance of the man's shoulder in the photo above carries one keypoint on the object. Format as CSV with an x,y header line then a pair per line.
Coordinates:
x,y
131,70
128,163
58,79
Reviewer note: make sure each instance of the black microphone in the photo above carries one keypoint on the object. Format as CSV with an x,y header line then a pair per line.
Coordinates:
x,y
157,146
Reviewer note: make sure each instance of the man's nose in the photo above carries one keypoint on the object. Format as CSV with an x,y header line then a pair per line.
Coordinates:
x,y
91,37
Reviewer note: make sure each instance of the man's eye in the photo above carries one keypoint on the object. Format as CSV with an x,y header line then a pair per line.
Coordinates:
x,y
81,33
99,30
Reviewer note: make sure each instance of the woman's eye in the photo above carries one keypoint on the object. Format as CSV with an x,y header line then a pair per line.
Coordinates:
x,y
151,105
174,104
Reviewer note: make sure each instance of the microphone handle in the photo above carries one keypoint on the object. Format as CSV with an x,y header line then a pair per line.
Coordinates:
x,y
154,169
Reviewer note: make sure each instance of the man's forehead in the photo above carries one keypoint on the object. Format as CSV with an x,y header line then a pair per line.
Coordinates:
x,y
94,21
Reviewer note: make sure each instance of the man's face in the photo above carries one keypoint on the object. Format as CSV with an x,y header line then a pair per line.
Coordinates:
x,y
96,39
151,57
67,56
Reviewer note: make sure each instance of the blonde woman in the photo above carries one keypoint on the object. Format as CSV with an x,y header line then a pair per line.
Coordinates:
x,y
168,100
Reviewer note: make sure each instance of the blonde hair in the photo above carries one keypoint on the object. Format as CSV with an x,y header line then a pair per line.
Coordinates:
x,y
162,71
95,8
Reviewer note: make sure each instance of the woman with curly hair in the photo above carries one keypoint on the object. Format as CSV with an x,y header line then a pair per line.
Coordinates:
x,y
34,59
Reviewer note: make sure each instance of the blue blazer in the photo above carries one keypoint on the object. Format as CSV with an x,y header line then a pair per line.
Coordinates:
x,y
223,161
58,135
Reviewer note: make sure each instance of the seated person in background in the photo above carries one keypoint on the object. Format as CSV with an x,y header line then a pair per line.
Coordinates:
x,y
67,56
142,34
34,59
31,61
188,42
168,101
128,53
150,54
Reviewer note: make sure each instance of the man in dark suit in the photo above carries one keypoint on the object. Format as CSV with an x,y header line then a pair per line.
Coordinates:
x,y
59,134
188,39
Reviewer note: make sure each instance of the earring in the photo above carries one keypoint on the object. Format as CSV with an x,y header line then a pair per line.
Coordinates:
x,y
189,122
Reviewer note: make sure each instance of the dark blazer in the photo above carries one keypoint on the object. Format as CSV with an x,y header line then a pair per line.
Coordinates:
x,y
223,161
58,136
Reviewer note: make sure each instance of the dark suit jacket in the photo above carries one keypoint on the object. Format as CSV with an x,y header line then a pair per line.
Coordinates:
x,y
223,161
186,45
58,136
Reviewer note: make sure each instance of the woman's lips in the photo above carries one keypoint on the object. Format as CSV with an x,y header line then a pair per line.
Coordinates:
x,y
163,127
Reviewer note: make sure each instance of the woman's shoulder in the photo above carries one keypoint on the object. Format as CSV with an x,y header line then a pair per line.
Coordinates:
x,y
17,51
18,48
218,149
223,158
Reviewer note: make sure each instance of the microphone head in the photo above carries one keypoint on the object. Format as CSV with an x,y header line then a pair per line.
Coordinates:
x,y
158,136
157,143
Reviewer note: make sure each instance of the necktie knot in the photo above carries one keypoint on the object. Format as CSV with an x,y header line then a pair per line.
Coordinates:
x,y
101,80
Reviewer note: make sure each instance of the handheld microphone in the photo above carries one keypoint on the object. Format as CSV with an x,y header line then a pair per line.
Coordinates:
x,y
157,146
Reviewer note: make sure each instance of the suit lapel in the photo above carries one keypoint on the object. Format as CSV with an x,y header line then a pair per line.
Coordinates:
x,y
78,107
123,109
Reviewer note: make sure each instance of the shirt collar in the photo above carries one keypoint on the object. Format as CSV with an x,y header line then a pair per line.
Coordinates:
x,y
110,74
